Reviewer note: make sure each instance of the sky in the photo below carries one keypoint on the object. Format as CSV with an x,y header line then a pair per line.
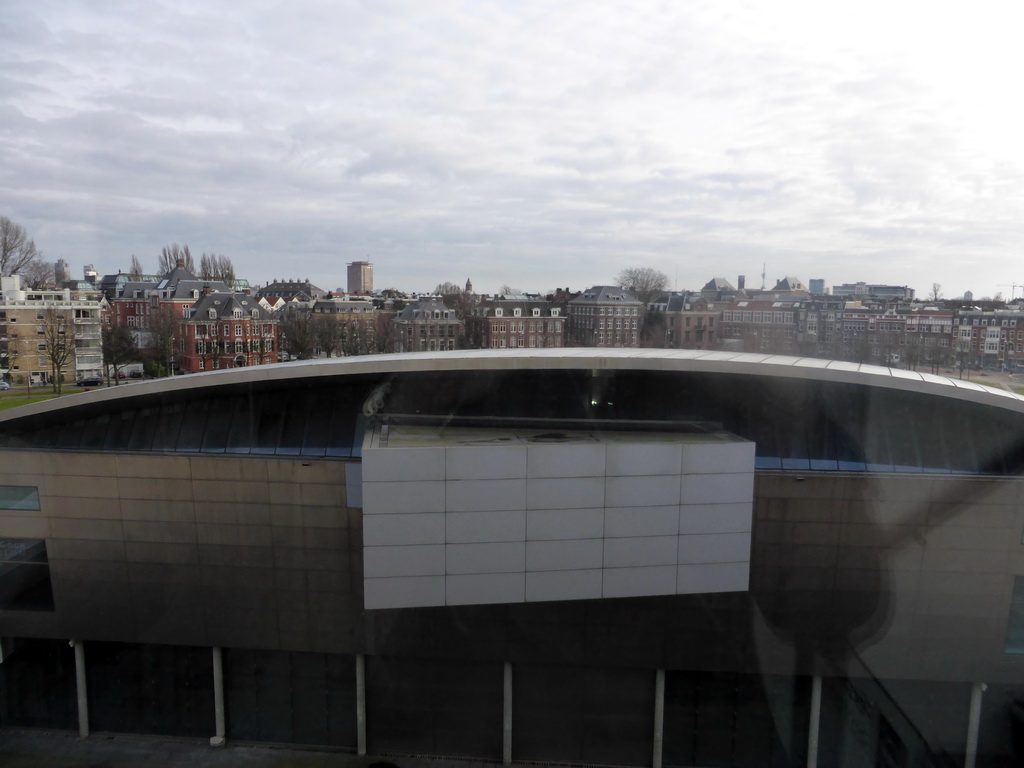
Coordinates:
x,y
522,143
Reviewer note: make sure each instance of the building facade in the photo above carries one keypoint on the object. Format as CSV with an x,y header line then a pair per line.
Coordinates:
x,y
427,326
763,325
992,339
226,330
515,324
48,333
360,277
569,556
604,316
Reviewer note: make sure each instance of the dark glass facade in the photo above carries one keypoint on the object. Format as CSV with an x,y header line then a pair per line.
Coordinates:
x,y
797,424
884,599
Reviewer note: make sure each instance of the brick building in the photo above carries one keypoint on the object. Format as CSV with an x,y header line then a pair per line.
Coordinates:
x,y
428,325
515,323
604,316
226,330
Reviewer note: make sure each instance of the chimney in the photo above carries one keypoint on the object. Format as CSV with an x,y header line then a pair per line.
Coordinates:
x,y
206,290
741,281
181,263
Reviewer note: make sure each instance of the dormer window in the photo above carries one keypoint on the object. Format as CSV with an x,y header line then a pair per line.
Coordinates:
x,y
499,312
212,314
237,314
536,311
554,312
516,312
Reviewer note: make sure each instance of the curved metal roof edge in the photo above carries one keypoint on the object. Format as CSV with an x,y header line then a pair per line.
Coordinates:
x,y
565,358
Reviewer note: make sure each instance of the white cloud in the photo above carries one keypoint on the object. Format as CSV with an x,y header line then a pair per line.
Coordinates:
x,y
532,143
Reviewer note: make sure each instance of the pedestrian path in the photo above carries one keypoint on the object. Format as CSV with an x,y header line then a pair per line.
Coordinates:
x,y
24,748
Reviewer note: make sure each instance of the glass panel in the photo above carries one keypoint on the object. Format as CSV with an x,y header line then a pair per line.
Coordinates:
x,y
294,425
314,441
240,437
269,410
1014,642
193,426
218,424
341,428
168,424
143,430
24,576
95,432
119,432
19,497
70,435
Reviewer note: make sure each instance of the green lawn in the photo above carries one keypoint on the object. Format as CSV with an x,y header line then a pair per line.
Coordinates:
x,y
13,401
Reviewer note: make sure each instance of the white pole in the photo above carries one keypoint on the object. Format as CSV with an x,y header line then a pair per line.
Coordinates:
x,y
360,704
659,717
973,724
812,737
506,717
218,698
83,694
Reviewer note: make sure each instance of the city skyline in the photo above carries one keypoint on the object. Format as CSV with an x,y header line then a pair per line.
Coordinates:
x,y
492,142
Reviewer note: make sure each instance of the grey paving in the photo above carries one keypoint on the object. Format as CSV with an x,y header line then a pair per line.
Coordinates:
x,y
60,749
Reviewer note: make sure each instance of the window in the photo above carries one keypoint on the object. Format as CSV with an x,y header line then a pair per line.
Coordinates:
x,y
25,497
25,576
238,330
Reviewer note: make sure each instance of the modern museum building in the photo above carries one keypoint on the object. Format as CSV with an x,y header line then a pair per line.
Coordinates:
x,y
582,556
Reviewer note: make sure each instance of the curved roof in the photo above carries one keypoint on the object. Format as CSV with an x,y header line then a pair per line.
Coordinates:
x,y
585,358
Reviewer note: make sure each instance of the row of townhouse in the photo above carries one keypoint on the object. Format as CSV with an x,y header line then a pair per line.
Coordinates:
x,y
907,335
211,325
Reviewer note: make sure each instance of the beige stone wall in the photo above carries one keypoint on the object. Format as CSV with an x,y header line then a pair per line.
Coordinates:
x,y
246,552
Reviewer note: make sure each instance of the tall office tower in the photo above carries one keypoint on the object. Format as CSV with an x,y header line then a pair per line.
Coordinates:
x,y
360,277
61,272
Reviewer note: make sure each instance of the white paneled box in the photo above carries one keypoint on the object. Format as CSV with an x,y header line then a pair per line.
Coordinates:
x,y
472,515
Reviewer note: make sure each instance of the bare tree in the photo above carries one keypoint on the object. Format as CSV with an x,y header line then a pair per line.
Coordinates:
x,y
171,255
162,325
384,332
214,266
644,282
119,347
135,269
59,343
298,336
17,249
38,274
328,333
936,292
457,299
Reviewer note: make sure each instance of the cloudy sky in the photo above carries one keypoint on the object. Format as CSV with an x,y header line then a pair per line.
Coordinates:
x,y
535,144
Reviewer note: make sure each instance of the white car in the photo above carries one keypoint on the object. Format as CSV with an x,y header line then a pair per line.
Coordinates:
x,y
4,385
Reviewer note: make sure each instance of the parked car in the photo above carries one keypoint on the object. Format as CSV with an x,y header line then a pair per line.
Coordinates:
x,y
136,374
91,381
4,386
